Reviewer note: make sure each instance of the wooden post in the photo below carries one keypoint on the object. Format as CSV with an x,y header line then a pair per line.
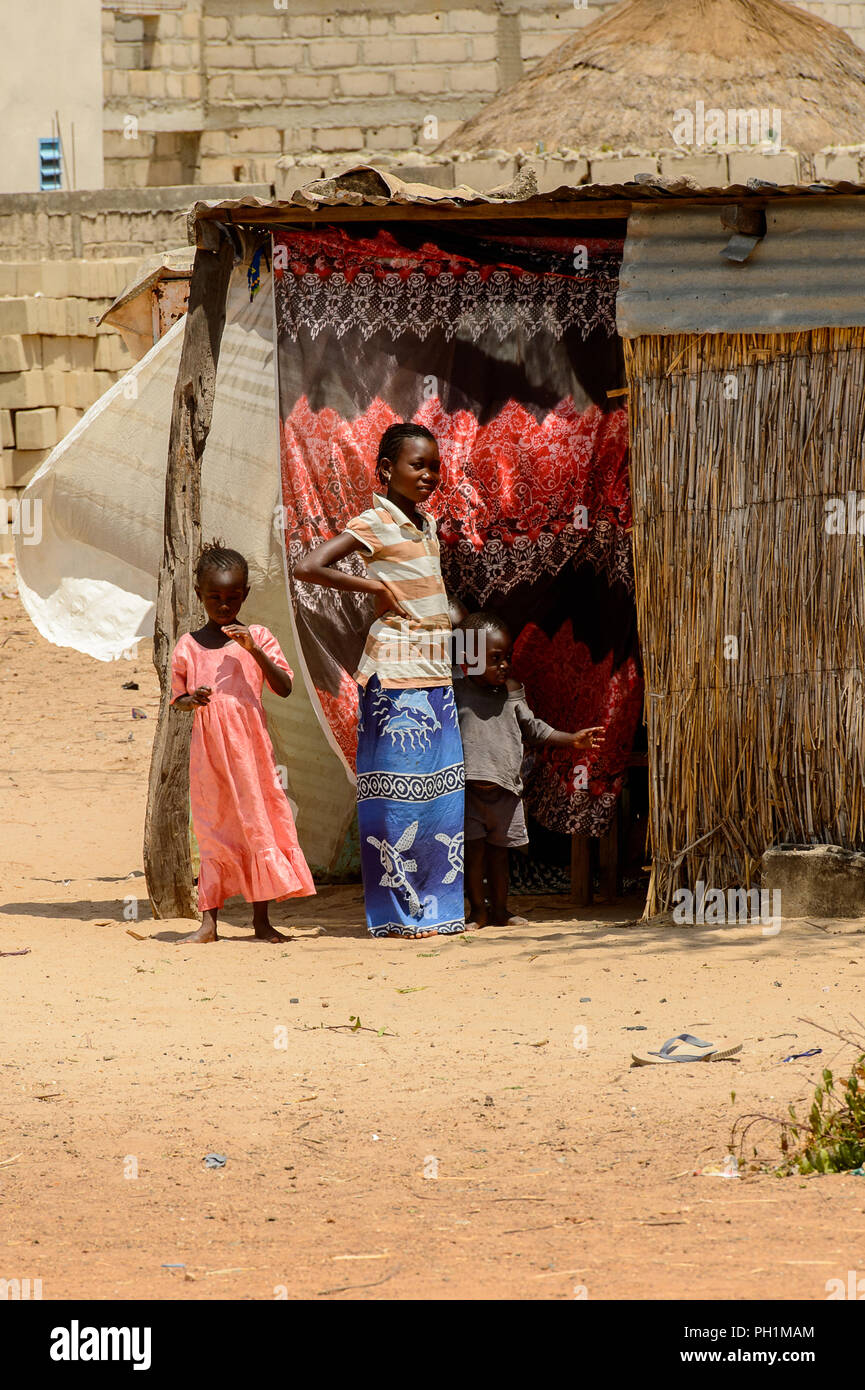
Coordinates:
x,y
167,862
609,860
581,872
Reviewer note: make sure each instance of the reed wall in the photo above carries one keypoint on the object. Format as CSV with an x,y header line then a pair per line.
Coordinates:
x,y
745,452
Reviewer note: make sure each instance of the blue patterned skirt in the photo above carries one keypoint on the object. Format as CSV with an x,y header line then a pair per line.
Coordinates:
x,y
410,795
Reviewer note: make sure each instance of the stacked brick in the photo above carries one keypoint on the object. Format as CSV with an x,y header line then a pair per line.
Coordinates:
x,y
544,26
850,17
496,168
54,361
343,81
101,224
229,88
228,93
140,150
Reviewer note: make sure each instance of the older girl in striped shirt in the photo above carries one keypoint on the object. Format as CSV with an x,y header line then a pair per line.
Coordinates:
x,y
410,777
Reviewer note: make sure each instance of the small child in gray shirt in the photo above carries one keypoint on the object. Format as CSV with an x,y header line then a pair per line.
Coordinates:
x,y
495,721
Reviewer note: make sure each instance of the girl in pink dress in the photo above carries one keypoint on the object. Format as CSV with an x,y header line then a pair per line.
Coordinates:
x,y
243,822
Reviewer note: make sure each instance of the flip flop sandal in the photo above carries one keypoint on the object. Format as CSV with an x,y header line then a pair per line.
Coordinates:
x,y
794,1056
669,1053
723,1053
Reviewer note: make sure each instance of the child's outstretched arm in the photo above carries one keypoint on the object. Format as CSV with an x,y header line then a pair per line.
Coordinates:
x,y
535,730
589,739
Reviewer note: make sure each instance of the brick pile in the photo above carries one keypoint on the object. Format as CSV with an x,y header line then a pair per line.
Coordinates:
x,y
54,361
495,168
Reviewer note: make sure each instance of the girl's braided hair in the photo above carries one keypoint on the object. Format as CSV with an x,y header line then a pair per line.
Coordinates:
x,y
215,555
391,441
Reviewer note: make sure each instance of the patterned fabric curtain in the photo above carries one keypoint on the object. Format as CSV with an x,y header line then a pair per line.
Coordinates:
x,y
505,347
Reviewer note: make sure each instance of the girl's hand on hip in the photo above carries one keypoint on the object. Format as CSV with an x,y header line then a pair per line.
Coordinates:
x,y
201,695
386,602
241,634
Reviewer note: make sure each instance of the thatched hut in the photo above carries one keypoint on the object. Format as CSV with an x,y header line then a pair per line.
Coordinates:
x,y
617,84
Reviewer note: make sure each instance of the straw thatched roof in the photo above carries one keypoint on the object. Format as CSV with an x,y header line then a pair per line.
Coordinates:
x,y
617,83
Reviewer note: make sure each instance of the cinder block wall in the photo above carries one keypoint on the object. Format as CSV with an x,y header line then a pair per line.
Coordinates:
x,y
209,96
63,258
850,16
54,361
103,224
233,84
715,170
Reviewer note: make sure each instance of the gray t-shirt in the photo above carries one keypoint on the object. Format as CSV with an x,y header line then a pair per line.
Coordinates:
x,y
494,723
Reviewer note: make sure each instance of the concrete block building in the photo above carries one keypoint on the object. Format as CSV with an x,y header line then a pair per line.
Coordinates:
x,y
144,93
116,115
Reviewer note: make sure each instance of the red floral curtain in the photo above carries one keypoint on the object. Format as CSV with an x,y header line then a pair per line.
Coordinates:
x,y
505,348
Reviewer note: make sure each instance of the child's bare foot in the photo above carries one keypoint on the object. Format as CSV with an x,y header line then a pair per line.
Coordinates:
x,y
506,919
262,928
261,925
476,919
265,932
206,932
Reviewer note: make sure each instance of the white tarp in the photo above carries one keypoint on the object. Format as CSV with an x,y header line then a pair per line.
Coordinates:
x,y
90,583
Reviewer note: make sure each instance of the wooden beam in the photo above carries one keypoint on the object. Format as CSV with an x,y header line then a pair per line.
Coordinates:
x,y
290,215
287,214
167,862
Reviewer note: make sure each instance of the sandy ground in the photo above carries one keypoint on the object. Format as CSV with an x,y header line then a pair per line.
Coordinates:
x,y
457,1145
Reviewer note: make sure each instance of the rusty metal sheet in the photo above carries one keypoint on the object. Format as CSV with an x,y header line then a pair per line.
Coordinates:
x,y
172,299
806,272
164,266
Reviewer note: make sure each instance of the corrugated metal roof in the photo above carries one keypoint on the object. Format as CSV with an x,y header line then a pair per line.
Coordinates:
x,y
367,187
807,272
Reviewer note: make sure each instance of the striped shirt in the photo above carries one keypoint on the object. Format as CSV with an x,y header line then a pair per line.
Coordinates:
x,y
404,653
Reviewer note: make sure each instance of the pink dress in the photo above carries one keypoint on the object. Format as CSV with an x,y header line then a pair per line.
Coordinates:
x,y
242,819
